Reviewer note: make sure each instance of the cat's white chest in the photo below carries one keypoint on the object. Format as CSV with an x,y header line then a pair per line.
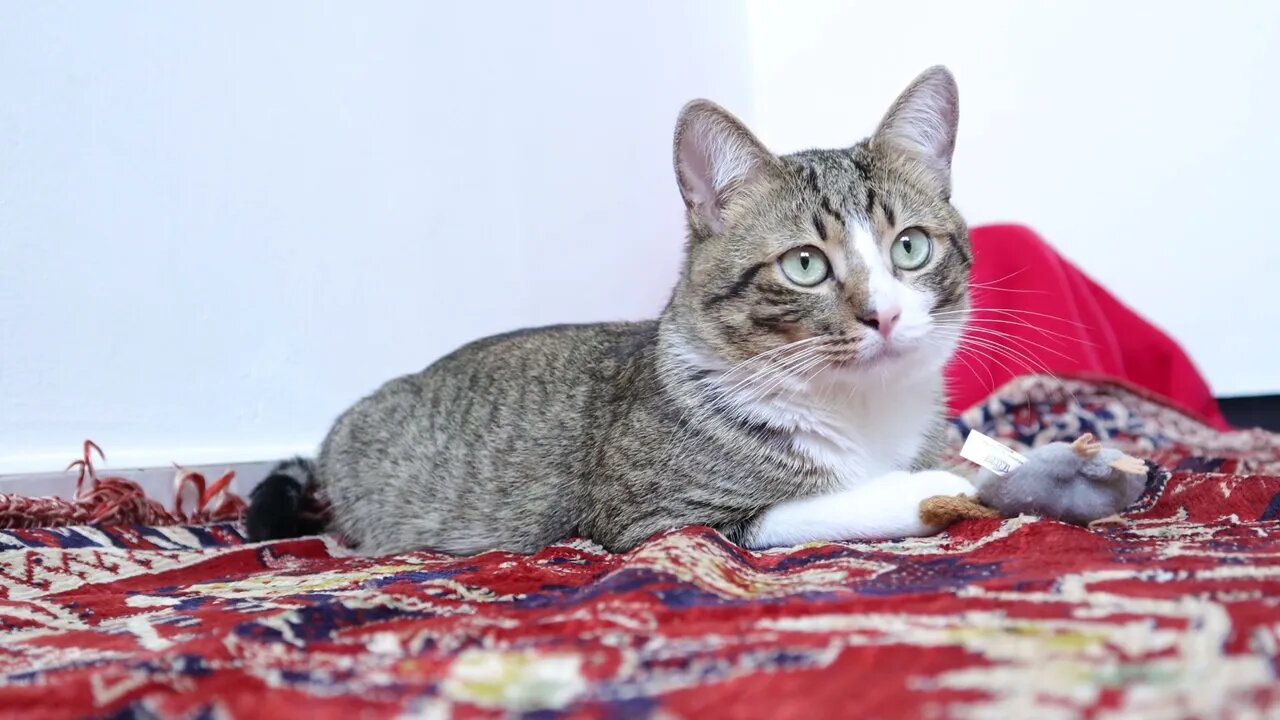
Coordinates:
x,y
857,432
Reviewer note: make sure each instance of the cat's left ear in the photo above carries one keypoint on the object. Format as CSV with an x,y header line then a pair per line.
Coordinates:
x,y
922,123
716,157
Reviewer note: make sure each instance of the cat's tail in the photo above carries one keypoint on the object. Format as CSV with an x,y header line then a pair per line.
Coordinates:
x,y
282,505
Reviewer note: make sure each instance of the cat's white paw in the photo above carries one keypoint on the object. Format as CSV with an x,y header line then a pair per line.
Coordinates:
x,y
923,485
884,508
930,483
901,504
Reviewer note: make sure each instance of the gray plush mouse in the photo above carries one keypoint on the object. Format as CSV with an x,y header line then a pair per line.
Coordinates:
x,y
1079,482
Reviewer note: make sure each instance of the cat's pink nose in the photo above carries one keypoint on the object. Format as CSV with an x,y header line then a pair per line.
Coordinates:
x,y
882,320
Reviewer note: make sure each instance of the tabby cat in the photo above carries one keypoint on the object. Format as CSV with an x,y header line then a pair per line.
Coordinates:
x,y
791,391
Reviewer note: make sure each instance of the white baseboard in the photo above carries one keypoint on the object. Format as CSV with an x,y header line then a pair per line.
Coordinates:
x,y
156,481
46,461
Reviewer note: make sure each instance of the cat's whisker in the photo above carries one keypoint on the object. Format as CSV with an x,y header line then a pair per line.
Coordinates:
x,y
1021,359
991,380
1012,350
809,378
772,365
962,340
791,375
1013,274
771,376
771,353
770,360
970,321
1049,334
988,288
990,332
1027,361
775,368
1012,312
767,383
987,356
1009,352
789,372
1022,343
1043,372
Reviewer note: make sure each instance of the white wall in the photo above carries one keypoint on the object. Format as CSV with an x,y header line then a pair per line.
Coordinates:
x,y
221,223
1141,138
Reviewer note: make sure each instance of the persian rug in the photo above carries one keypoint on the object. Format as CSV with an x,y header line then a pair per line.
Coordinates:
x,y
1175,615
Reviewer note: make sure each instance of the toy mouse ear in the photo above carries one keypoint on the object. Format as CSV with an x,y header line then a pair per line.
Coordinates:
x,y
1086,446
1129,465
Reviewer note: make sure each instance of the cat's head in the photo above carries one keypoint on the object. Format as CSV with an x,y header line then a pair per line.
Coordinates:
x,y
855,254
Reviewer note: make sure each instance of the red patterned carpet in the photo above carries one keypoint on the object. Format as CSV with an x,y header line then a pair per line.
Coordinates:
x,y
1176,615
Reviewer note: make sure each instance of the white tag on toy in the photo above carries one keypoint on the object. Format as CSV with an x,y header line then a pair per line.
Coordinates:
x,y
982,450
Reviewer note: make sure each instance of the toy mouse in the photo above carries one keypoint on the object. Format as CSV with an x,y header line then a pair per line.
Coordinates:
x,y
1079,482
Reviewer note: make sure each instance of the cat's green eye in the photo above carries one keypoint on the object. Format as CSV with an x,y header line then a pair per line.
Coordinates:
x,y
911,250
805,266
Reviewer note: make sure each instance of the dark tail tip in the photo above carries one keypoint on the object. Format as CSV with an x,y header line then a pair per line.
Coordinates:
x,y
277,505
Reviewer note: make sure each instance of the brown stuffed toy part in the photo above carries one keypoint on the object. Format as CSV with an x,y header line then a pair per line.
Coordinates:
x,y
943,510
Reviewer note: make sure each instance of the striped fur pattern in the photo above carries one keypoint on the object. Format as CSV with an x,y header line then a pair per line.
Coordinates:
x,y
772,410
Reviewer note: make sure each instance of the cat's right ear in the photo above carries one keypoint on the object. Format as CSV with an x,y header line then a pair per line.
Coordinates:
x,y
716,156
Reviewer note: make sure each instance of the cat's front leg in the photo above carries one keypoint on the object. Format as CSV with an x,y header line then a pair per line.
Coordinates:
x,y
880,509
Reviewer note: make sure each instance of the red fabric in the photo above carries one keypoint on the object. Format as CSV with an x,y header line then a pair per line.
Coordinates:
x,y
1034,311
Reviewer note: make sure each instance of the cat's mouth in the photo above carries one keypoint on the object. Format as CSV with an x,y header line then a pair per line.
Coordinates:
x,y
872,355
867,354
866,358
885,353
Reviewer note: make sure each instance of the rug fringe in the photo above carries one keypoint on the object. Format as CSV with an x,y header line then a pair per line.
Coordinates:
x,y
114,500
